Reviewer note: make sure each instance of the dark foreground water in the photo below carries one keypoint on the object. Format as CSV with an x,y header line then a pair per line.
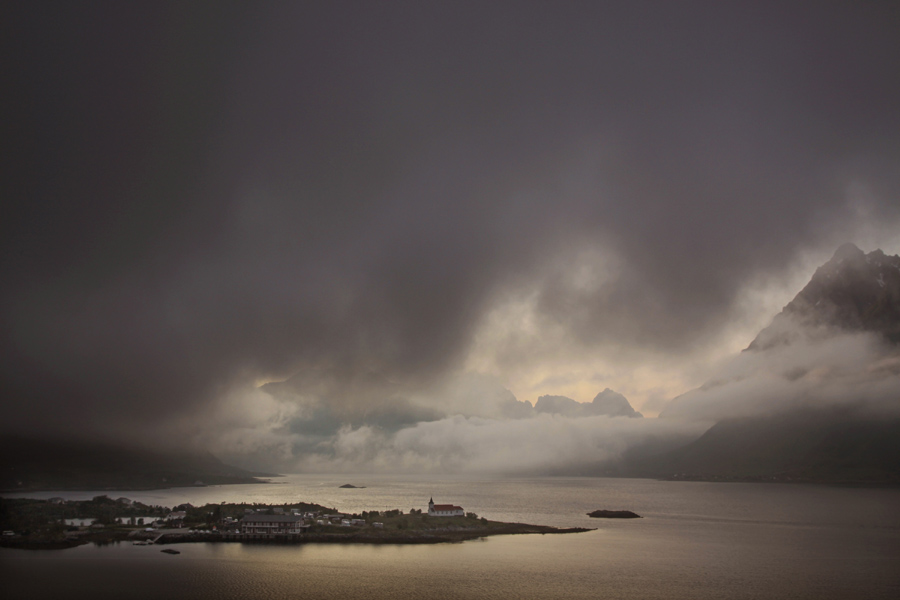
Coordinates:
x,y
697,540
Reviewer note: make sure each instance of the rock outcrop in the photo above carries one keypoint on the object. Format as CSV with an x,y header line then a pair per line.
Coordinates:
x,y
853,291
606,403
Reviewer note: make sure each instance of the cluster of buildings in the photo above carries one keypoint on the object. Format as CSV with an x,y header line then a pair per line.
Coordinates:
x,y
255,525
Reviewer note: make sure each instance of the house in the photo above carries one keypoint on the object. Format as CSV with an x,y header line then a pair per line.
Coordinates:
x,y
176,518
272,526
444,510
125,501
56,500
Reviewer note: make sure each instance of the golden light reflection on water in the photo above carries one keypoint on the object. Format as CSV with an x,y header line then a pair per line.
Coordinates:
x,y
696,540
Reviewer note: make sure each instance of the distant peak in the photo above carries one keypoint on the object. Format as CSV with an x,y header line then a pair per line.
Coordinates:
x,y
847,251
854,291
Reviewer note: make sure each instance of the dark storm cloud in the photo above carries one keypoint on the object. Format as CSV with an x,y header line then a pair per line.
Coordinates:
x,y
198,196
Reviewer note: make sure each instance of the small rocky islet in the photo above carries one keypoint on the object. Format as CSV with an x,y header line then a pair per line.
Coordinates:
x,y
614,514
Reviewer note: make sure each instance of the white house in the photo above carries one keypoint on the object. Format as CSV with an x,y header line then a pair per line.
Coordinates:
x,y
444,510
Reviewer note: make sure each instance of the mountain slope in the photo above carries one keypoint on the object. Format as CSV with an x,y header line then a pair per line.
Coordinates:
x,y
815,397
826,445
853,291
29,464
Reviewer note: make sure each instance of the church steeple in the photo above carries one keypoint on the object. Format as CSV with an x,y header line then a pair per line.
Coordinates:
x,y
431,505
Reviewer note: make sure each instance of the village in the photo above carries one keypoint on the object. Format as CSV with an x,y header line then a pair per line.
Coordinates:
x,y
286,523
58,523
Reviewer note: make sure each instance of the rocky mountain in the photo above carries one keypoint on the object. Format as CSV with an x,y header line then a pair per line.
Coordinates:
x,y
805,401
606,403
613,404
853,291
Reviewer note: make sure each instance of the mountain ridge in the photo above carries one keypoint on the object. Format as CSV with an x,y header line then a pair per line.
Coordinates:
x,y
606,403
853,291
806,438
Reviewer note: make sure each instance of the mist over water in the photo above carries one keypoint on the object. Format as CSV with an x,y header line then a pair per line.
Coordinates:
x,y
696,540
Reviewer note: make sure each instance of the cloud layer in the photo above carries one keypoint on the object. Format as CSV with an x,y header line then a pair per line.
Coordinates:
x,y
201,198
808,374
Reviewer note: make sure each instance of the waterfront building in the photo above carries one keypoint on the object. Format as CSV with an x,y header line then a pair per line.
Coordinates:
x,y
272,526
444,510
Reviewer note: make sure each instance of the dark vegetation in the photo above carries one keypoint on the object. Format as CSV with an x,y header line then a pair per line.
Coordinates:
x,y
42,524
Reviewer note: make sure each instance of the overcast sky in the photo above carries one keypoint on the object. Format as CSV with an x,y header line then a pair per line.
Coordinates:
x,y
201,197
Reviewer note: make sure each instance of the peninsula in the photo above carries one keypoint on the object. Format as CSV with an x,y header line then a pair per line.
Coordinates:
x,y
56,523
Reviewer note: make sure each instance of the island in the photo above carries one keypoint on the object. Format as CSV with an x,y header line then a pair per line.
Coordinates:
x,y
57,523
350,486
614,514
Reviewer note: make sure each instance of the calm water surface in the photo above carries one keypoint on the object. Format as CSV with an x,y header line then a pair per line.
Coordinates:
x,y
697,540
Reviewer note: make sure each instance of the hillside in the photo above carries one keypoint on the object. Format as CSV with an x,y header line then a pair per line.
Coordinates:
x,y
808,406
31,464
853,291
833,446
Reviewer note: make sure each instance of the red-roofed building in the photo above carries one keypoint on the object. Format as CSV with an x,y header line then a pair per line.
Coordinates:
x,y
444,510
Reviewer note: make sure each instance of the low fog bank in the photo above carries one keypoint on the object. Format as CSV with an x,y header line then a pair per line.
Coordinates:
x,y
469,423
828,358
818,370
545,444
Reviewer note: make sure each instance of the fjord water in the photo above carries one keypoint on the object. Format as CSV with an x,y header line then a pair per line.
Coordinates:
x,y
696,540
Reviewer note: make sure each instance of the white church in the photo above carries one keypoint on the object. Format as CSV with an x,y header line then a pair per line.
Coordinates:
x,y
444,510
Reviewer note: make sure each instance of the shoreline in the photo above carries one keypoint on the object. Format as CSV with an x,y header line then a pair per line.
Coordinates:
x,y
63,490
426,536
686,478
